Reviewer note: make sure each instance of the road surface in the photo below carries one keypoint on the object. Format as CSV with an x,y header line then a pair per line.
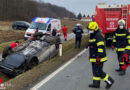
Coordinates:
x,y
78,74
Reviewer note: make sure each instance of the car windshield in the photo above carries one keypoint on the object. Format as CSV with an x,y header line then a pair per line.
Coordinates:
x,y
40,26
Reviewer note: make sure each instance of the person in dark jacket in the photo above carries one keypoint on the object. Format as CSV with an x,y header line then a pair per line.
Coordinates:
x,y
121,40
54,32
78,35
97,56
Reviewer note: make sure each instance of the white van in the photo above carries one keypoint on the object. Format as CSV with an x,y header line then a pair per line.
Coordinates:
x,y
45,25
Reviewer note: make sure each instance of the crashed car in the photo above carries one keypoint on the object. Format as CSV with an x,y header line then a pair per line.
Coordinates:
x,y
29,54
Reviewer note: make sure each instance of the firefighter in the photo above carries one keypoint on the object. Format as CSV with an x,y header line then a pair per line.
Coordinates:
x,y
120,41
65,29
98,57
78,31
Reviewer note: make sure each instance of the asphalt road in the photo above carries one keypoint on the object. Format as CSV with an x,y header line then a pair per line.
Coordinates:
x,y
78,74
69,37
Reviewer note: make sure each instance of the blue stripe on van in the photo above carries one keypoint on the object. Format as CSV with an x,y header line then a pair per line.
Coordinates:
x,y
49,20
34,20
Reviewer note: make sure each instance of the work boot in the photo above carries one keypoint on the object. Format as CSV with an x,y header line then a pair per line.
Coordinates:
x,y
96,84
122,73
118,70
109,82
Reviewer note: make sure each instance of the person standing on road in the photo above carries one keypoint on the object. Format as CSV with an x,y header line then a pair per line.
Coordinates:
x,y
97,56
78,31
65,30
121,39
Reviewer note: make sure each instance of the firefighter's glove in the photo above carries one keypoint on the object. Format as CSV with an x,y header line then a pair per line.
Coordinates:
x,y
112,47
98,60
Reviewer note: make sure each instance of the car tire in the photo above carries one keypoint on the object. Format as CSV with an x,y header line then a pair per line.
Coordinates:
x,y
32,63
7,50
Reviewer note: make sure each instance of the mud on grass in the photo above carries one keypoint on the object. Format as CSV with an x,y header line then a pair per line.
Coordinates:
x,y
30,77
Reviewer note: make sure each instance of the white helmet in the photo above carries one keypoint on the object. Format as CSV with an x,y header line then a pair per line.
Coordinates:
x,y
78,24
121,21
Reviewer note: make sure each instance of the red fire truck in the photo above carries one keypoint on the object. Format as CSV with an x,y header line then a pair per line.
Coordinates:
x,y
107,16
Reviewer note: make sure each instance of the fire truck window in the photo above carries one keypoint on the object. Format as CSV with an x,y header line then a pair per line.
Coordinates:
x,y
110,9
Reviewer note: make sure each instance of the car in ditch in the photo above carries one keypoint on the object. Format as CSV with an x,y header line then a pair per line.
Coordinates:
x,y
29,54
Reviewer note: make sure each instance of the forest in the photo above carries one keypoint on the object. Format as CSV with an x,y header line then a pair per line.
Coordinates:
x,y
11,10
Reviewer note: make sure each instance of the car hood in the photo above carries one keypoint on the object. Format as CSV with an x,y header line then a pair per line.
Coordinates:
x,y
15,60
32,31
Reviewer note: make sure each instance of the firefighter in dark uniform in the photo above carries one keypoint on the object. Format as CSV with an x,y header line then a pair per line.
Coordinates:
x,y
78,31
98,57
121,39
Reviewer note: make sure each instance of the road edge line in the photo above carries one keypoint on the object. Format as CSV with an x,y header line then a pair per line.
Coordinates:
x,y
44,81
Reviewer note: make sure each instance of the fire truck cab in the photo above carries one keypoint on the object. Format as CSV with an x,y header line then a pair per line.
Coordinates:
x,y
107,16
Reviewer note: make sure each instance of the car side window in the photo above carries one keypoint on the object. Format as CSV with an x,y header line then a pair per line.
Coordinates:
x,y
49,27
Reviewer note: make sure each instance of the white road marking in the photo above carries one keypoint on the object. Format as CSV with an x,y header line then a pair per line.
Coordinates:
x,y
44,81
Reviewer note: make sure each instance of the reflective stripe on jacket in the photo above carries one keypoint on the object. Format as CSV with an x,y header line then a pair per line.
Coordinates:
x,y
96,47
121,39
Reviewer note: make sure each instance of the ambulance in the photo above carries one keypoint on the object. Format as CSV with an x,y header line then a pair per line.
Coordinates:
x,y
44,25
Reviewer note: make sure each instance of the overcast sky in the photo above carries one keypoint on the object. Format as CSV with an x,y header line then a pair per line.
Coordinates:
x,y
84,6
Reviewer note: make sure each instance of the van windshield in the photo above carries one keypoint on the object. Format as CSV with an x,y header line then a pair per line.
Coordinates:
x,y
40,26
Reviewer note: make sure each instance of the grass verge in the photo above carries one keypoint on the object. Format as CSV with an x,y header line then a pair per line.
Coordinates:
x,y
25,80
10,35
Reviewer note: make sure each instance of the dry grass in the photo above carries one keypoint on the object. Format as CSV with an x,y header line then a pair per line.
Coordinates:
x,y
43,69
6,23
10,35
